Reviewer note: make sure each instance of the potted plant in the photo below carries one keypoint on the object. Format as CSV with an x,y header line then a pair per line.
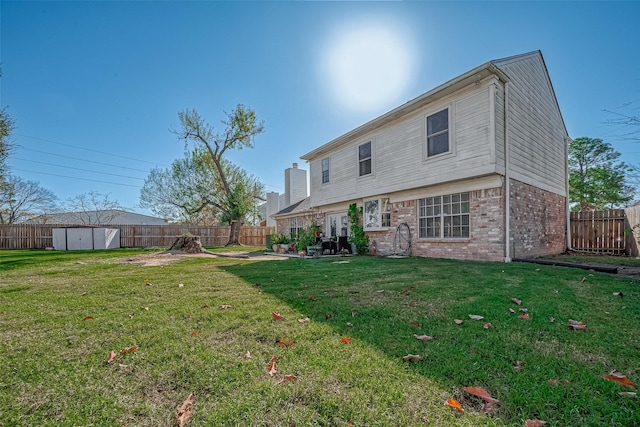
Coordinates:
x,y
359,241
276,240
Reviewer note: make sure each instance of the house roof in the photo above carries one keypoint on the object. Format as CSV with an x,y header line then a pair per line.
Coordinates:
x,y
303,205
445,89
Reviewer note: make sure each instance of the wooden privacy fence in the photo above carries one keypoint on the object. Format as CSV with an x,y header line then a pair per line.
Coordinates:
x,y
599,231
40,236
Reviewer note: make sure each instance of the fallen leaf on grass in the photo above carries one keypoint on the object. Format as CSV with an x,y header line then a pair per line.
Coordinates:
x,y
575,325
554,381
619,378
129,349
524,310
414,323
458,321
196,332
346,340
305,320
552,319
181,285
454,404
349,324
144,308
247,355
481,393
524,316
183,413
204,306
628,394
273,368
534,423
88,318
284,342
131,315
410,357
475,317
487,325
423,337
516,300
277,316
511,310
618,294
112,357
518,366
327,316
313,298
288,377
406,291
224,306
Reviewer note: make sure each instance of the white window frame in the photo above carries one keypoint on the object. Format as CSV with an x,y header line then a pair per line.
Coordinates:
x,y
296,223
449,132
370,159
449,214
342,224
376,214
322,169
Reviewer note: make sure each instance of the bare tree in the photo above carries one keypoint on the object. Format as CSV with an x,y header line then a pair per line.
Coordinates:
x,y
21,200
94,208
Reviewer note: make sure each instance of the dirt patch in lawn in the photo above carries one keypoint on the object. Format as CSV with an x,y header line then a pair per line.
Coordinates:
x,y
170,257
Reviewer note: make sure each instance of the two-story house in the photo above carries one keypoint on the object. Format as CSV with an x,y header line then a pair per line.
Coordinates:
x,y
476,167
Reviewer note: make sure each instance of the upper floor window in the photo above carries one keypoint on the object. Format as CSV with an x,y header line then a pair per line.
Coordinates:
x,y
438,133
364,159
325,171
444,216
377,214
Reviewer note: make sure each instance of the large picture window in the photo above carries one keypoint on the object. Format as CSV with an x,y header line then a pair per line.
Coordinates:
x,y
364,159
438,133
295,225
444,216
377,214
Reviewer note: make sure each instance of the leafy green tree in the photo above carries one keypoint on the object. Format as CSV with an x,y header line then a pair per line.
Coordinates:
x,y
237,195
597,178
7,126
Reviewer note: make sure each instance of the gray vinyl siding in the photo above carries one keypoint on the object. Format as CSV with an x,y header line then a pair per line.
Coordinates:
x,y
536,131
399,156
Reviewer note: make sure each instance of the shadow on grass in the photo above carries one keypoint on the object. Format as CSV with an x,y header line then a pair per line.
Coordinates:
x,y
386,302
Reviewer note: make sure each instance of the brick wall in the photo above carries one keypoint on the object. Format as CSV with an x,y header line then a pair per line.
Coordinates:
x,y
538,221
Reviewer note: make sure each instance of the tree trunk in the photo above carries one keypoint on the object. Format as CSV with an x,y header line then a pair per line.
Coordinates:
x,y
188,244
234,234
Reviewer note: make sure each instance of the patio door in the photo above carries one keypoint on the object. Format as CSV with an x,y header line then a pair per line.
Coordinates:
x,y
338,225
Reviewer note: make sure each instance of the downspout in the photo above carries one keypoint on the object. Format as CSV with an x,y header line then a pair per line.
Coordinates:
x,y
507,179
567,141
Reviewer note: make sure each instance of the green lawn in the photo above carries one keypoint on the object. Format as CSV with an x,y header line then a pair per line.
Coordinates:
x,y
54,369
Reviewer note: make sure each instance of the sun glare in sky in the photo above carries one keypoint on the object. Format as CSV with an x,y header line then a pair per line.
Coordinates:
x,y
368,65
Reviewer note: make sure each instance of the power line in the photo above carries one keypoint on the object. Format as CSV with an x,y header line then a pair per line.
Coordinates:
x,y
83,160
89,149
79,169
80,179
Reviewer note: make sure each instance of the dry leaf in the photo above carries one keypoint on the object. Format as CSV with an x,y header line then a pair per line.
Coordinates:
x,y
283,342
224,306
349,324
575,325
406,291
204,306
454,404
180,285
183,413
129,349
518,366
144,308
196,332
619,378
273,368
247,355
458,321
534,423
618,294
88,318
552,319
410,357
511,310
112,357
305,320
628,394
131,315
414,323
277,316
487,325
516,300
524,316
346,340
328,316
288,377
554,381
524,310
313,298
486,407
423,337
475,317
482,394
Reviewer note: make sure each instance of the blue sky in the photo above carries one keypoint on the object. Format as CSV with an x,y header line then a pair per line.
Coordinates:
x,y
94,87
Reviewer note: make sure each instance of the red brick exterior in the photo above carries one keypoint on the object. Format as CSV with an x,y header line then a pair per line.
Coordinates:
x,y
538,221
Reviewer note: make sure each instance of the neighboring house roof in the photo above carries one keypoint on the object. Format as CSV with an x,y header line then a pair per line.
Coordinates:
x,y
303,206
453,85
110,216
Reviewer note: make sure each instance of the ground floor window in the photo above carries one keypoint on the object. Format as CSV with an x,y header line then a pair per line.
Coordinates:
x,y
377,214
444,216
295,225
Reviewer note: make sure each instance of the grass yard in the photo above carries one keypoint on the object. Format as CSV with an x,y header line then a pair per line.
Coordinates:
x,y
61,314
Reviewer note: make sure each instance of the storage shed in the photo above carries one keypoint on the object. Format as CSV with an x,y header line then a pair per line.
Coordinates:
x,y
76,238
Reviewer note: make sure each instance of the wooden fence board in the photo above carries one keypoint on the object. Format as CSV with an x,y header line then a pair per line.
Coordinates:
x,y
40,236
598,231
632,240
